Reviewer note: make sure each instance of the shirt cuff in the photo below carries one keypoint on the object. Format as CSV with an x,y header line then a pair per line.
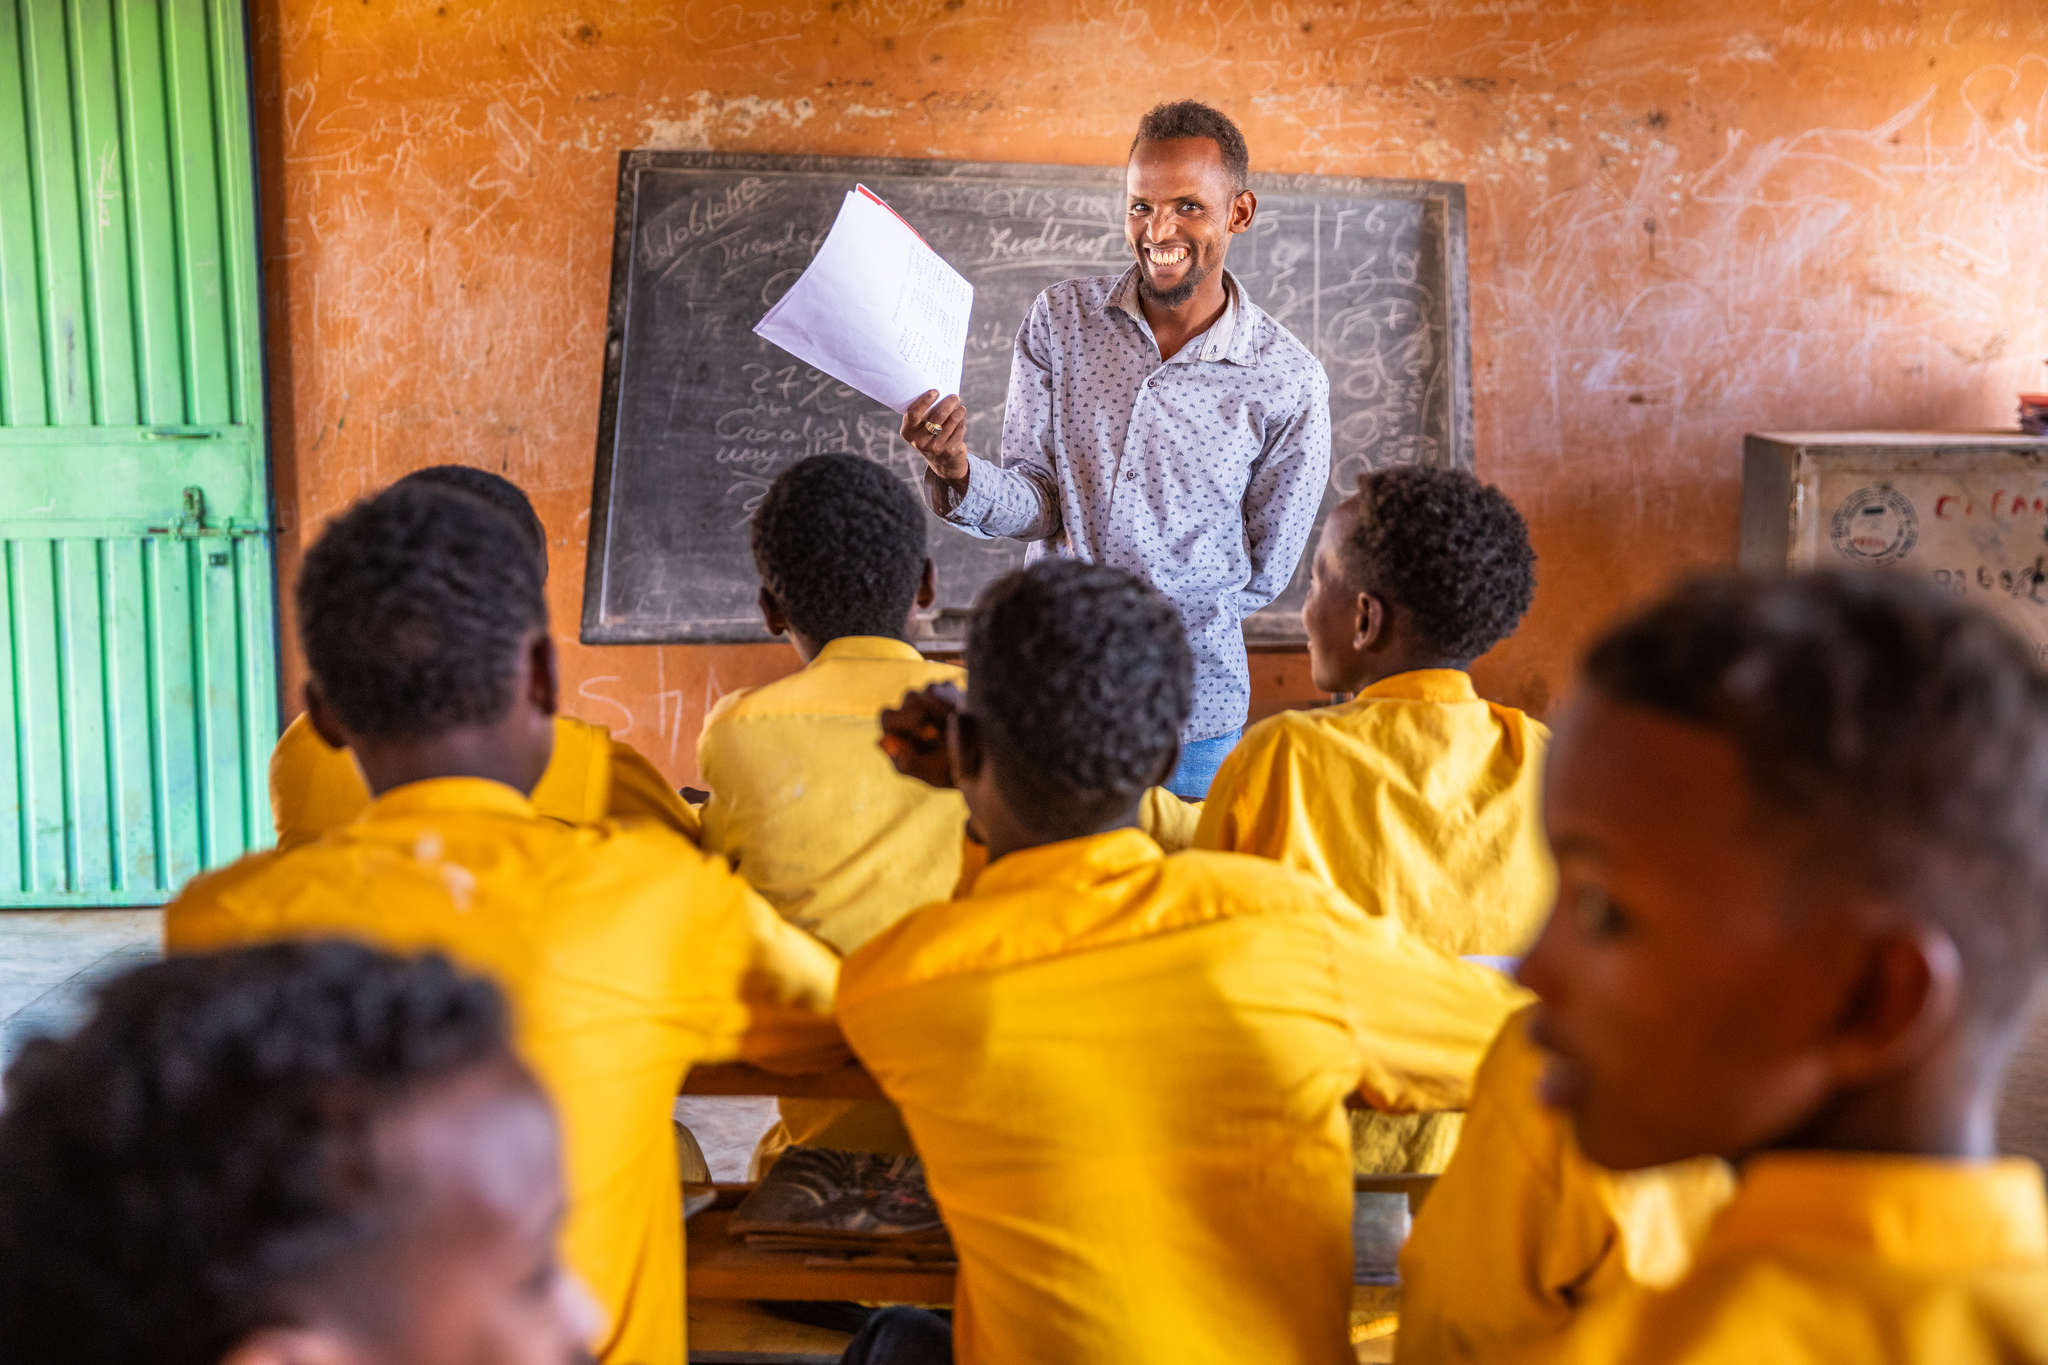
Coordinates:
x,y
970,508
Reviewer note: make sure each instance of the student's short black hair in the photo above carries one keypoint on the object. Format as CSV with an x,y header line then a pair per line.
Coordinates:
x,y
497,490
189,1166
840,541
1903,734
1450,549
413,608
1192,118
1082,676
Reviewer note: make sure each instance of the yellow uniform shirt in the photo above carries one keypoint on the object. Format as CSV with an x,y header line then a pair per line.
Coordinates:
x,y
1521,1232
1125,1072
315,787
1826,1257
628,956
1419,798
813,814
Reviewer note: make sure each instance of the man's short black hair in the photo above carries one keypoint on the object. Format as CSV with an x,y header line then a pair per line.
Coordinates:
x,y
840,541
1900,734
1192,118
497,490
1082,676
414,606
190,1166
1450,549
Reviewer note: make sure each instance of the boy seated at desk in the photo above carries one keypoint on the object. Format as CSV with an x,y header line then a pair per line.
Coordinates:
x,y
1418,797
316,787
1126,1070
284,1155
628,953
1799,828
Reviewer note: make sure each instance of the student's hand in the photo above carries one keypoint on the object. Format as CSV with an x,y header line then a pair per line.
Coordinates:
x,y
945,450
914,733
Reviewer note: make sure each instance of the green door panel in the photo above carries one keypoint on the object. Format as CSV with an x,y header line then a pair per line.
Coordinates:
x,y
138,664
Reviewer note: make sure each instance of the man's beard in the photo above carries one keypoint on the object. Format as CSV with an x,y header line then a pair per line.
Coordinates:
x,y
1180,293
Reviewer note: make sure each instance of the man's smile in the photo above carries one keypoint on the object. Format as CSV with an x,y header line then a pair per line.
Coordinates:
x,y
1166,255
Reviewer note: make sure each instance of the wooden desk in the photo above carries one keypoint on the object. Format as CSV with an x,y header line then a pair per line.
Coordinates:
x,y
723,1267
848,1082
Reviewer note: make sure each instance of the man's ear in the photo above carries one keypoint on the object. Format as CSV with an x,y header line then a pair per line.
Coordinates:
x,y
543,682
1907,1000
928,585
321,717
772,615
1243,209
1370,631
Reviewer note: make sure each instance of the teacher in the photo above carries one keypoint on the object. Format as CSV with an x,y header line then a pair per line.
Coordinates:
x,y
1158,421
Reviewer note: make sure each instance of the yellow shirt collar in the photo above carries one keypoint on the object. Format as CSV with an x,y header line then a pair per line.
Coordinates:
x,y
1940,1215
1070,863
450,795
867,647
1425,684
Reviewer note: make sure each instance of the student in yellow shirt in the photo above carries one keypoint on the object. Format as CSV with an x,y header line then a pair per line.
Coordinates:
x,y
283,1155
316,787
629,955
1521,1231
1799,828
1419,796
802,798
1125,1070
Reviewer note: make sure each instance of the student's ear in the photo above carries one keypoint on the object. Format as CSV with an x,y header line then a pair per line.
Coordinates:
x,y
322,718
964,748
928,585
1172,762
1907,1001
1371,629
292,1346
1243,209
772,615
543,682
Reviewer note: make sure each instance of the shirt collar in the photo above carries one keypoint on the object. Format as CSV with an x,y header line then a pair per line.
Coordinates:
x,y
450,795
1075,863
867,647
1915,1212
1425,684
1229,338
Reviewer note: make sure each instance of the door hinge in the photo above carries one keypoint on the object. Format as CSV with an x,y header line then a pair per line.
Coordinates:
x,y
191,522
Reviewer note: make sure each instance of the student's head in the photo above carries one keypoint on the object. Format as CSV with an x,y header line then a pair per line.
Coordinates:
x,y
1799,831
496,490
426,632
1420,568
1184,198
1079,681
286,1155
840,546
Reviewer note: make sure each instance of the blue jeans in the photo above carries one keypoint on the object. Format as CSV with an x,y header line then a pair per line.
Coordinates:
x,y
902,1336
1198,764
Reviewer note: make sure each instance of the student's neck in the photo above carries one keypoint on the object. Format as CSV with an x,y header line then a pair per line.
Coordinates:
x,y
1927,1119
1173,328
470,753
1394,666
1006,837
808,648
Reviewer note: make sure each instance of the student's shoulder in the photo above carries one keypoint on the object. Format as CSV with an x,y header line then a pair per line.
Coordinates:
x,y
1245,884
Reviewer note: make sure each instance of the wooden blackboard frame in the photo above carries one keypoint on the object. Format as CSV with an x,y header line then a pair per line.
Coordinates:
x,y
1444,203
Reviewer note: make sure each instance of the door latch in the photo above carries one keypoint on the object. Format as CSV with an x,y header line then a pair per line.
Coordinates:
x,y
191,522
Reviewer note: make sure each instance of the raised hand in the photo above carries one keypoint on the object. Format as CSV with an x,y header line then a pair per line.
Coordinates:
x,y
914,733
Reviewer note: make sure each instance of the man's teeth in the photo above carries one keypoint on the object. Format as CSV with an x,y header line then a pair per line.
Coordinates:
x,y
1167,255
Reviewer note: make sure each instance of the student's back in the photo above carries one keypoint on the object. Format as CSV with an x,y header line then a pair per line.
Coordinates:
x,y
1125,1071
1419,797
628,954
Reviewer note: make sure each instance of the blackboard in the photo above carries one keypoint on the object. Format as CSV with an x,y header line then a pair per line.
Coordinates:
x,y
698,414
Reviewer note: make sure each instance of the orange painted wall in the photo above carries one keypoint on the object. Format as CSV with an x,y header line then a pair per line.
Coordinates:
x,y
1687,221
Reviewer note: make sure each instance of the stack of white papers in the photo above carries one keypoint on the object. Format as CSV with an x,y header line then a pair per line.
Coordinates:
x,y
877,308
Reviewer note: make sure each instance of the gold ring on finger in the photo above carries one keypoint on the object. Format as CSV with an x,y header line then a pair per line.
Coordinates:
x,y
934,428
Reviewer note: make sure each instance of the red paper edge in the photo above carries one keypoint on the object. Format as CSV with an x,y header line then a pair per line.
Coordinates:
x,y
864,190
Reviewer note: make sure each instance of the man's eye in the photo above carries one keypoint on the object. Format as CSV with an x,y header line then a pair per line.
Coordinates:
x,y
1597,914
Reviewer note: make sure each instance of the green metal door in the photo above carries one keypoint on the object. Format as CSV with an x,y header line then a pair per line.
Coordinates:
x,y
138,694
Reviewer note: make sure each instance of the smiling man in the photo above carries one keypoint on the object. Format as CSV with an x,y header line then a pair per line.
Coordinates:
x,y
1158,421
